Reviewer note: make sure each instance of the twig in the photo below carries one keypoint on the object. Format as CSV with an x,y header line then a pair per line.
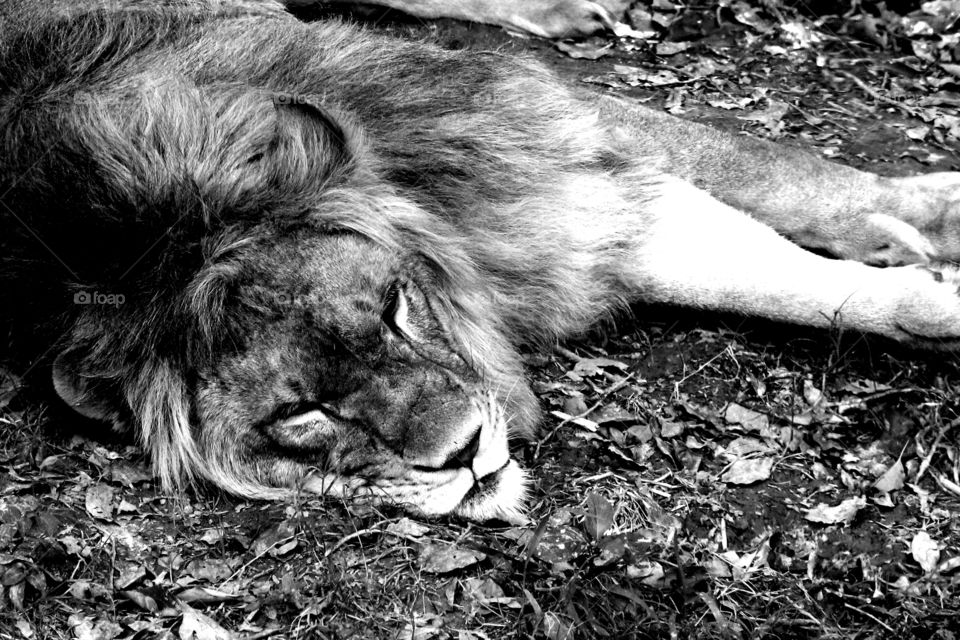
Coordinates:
x,y
262,634
868,615
927,459
876,95
573,357
344,540
622,382
276,544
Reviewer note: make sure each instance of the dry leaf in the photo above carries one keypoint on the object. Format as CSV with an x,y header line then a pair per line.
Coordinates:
x,y
90,629
594,366
748,471
892,480
26,629
443,558
744,447
670,429
142,600
845,512
556,628
99,501
407,528
749,420
197,626
205,595
599,516
589,49
276,540
925,551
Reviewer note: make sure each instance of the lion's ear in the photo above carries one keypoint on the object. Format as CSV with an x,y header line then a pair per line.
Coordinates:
x,y
91,397
311,137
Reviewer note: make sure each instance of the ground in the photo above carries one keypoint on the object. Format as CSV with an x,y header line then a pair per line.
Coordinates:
x,y
697,476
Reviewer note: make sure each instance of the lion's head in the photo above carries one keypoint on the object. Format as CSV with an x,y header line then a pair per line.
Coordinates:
x,y
231,279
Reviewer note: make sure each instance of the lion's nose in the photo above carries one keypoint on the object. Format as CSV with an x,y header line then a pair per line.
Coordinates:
x,y
436,447
464,457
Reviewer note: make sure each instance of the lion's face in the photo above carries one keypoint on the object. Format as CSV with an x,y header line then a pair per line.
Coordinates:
x,y
347,379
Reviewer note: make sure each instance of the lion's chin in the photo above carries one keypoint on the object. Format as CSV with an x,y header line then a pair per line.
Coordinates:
x,y
500,495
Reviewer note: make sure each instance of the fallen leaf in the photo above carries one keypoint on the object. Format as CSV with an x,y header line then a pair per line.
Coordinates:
x,y
671,48
128,474
744,447
142,600
86,590
205,595
635,76
99,501
650,573
559,545
197,626
407,528
213,536
599,516
276,540
771,117
590,49
811,395
622,30
748,470
925,551
892,480
594,366
213,570
486,591
671,429
844,512
91,629
26,629
865,386
556,628
421,627
444,558
749,420
589,425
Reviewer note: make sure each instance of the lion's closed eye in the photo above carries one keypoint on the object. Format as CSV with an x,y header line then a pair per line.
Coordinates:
x,y
311,417
301,427
396,312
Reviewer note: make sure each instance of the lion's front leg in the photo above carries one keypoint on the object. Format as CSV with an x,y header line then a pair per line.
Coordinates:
x,y
816,203
700,252
544,18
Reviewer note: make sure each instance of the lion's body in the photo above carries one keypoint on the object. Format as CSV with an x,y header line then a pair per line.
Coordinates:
x,y
330,245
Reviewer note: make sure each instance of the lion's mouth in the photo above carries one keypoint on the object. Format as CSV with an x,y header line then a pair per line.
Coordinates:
x,y
496,496
487,485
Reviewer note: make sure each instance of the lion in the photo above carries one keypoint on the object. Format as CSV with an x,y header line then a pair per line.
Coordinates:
x,y
303,258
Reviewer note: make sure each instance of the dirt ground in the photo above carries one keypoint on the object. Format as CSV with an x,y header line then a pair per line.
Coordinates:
x,y
697,476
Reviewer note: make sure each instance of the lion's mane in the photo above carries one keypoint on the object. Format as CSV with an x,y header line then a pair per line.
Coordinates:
x,y
140,149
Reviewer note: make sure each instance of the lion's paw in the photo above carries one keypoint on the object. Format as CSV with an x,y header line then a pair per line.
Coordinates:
x,y
927,312
560,18
931,204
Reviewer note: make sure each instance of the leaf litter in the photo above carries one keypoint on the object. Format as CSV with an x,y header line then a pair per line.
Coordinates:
x,y
697,477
